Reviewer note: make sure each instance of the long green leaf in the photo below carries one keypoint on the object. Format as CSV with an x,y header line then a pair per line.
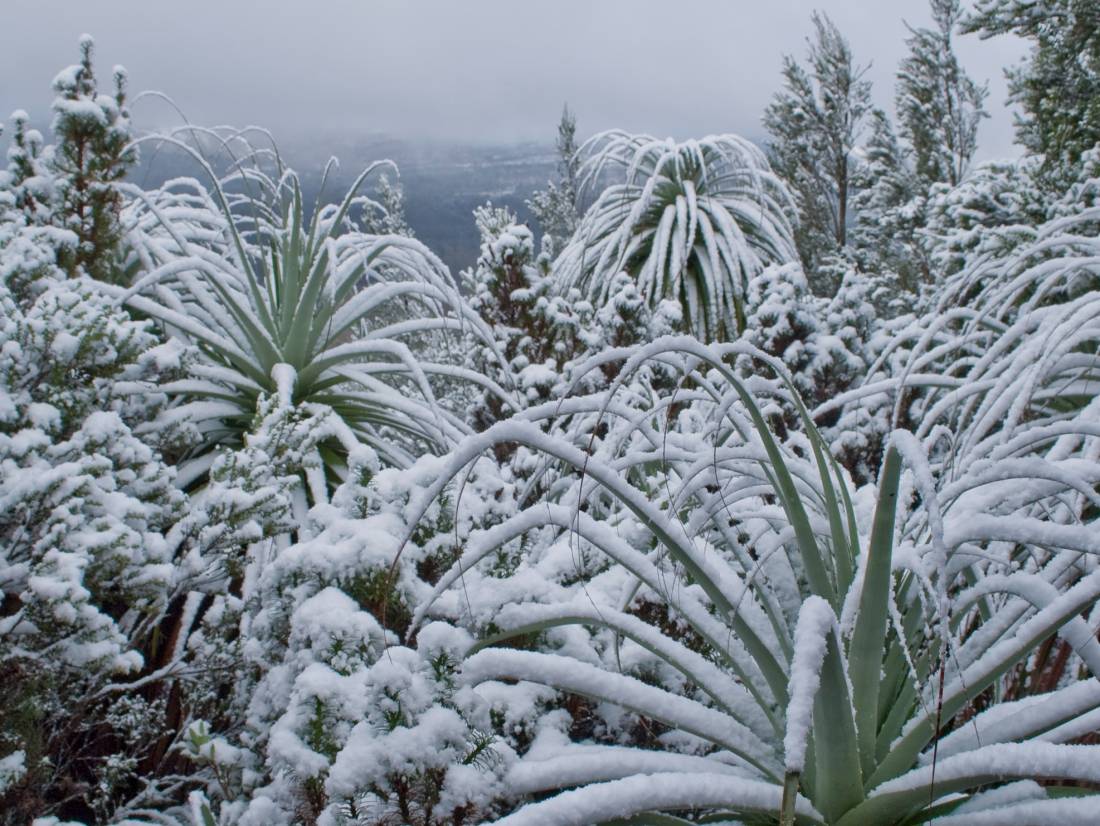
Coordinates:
x,y
868,643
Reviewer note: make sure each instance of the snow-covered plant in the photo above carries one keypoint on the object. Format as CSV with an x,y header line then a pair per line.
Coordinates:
x,y
692,221
1012,279
1058,84
67,193
28,181
994,210
998,372
854,335
1003,360
889,207
839,656
374,735
823,345
853,323
91,155
423,752
626,318
555,208
939,105
388,218
536,329
782,321
325,717
86,563
815,124
315,310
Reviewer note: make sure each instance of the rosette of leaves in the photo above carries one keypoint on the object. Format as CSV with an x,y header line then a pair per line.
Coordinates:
x,y
830,657
307,308
691,221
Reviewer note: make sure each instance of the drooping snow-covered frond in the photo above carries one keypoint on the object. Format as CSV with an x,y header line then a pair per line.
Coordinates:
x,y
1000,385
690,221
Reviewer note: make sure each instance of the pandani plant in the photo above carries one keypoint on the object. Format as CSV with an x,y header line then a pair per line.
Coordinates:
x,y
303,306
692,221
842,655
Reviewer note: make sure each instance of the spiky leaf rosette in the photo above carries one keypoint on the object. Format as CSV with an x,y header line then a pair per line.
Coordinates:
x,y
842,656
313,311
690,221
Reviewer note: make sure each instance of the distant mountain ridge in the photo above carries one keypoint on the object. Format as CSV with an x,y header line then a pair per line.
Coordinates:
x,y
443,181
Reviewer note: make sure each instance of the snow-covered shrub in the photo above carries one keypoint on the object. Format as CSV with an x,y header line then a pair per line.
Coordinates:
x,y
990,213
850,323
822,647
28,181
555,208
86,505
544,329
824,344
388,215
92,153
107,565
626,319
306,630
853,336
889,204
536,329
782,321
69,190
692,221
422,752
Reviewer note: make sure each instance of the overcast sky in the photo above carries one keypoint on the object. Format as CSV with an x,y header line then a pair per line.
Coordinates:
x,y
492,70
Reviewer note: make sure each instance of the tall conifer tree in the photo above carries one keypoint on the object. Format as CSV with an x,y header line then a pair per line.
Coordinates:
x,y
939,106
555,208
815,123
1058,86
90,156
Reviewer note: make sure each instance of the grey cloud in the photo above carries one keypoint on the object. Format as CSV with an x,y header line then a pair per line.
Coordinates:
x,y
473,70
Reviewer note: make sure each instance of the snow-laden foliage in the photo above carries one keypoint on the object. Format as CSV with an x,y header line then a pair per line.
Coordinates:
x,y
1001,365
815,123
69,189
388,217
863,184
556,208
890,207
327,719
788,322
994,210
85,507
1057,85
91,155
939,106
826,346
692,221
544,330
294,530
105,562
316,311
27,181
536,329
747,534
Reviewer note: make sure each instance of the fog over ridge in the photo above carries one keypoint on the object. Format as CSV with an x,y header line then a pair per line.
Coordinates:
x,y
490,71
